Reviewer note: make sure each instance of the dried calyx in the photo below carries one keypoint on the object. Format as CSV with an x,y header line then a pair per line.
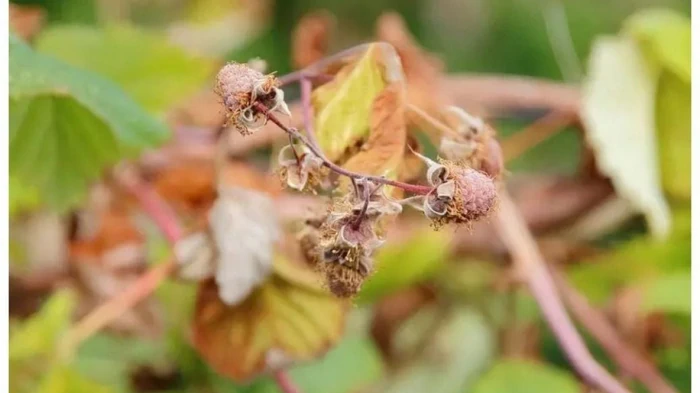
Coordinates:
x,y
473,144
341,244
240,86
301,169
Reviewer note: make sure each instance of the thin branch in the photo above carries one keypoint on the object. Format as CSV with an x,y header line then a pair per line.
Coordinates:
x,y
285,383
597,324
414,188
536,133
505,93
529,262
154,206
431,122
107,312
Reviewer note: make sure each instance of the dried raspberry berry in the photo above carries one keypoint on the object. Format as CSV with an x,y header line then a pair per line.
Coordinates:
x,y
239,86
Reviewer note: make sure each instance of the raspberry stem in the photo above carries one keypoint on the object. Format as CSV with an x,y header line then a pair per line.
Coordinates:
x,y
413,188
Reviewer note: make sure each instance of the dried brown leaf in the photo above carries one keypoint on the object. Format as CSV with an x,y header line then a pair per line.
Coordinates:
x,y
383,152
310,38
26,20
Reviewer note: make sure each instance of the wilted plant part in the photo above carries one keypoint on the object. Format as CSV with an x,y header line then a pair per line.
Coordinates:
x,y
240,86
344,252
460,195
288,318
300,168
473,143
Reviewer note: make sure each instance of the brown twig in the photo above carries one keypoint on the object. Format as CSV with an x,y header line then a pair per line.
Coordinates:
x,y
414,188
529,262
107,312
597,324
505,93
535,133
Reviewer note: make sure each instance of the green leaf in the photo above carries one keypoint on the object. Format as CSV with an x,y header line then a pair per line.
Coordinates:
x,y
109,359
641,259
665,35
67,125
39,334
404,264
618,112
669,293
351,366
343,106
522,376
62,379
156,73
673,133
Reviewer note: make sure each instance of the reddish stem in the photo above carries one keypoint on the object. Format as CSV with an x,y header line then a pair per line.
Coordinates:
x,y
414,188
154,206
527,258
285,383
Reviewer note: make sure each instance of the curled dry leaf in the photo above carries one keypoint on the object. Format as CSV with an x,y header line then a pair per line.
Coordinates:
x,y
310,38
423,71
25,20
289,318
188,186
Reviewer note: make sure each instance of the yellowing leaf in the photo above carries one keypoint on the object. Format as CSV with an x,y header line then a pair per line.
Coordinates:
x,y
156,73
673,133
62,379
618,111
342,107
666,35
288,318
384,150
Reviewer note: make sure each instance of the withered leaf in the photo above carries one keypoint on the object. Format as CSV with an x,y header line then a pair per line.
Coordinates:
x,y
310,38
342,107
289,318
384,150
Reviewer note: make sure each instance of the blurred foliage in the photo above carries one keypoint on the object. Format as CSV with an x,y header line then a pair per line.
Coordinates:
x,y
67,125
400,266
158,74
93,87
